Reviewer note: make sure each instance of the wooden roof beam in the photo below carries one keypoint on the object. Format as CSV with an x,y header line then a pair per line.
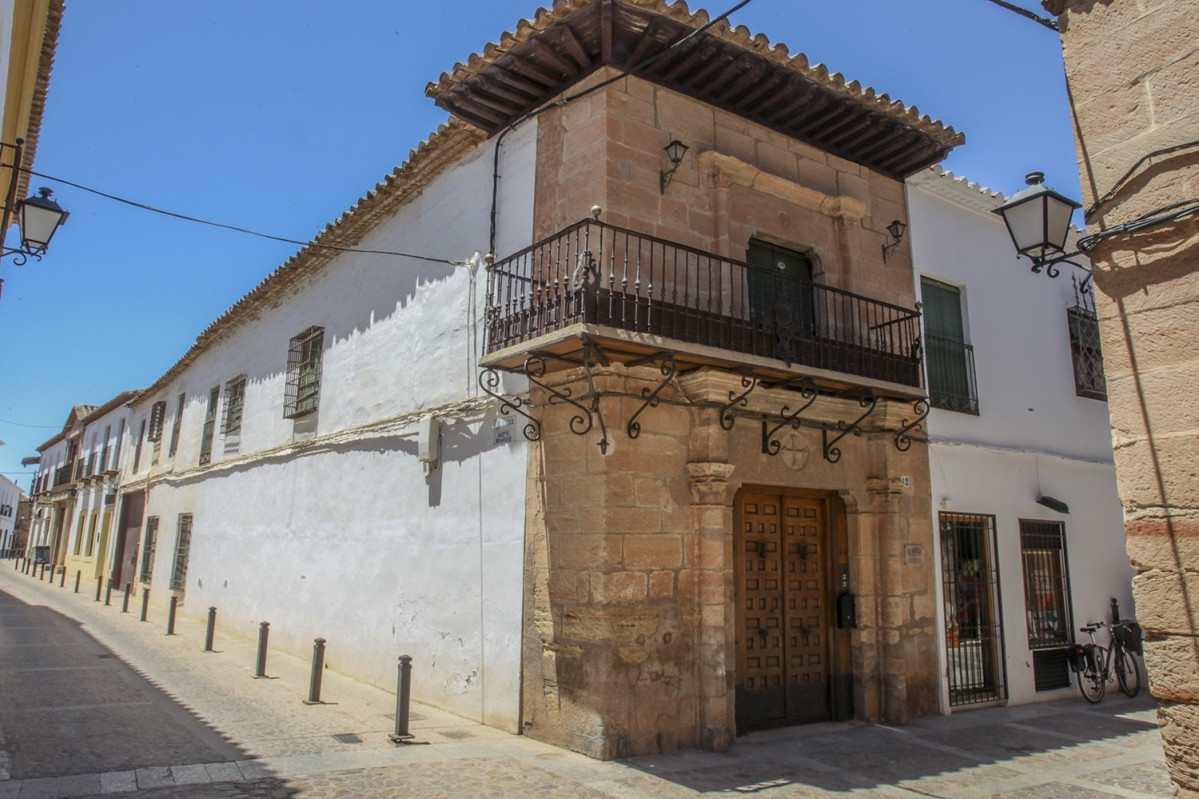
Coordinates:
x,y
534,72
575,48
547,53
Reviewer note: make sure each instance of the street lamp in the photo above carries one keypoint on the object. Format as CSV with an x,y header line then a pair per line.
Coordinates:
x,y
38,216
1038,220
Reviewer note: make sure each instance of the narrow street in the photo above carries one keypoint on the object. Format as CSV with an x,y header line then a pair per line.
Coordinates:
x,y
94,702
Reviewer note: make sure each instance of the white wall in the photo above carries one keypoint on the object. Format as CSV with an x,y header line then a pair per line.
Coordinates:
x,y
342,535
1033,436
10,495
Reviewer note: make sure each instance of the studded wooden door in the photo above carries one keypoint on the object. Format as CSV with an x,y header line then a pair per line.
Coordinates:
x,y
783,643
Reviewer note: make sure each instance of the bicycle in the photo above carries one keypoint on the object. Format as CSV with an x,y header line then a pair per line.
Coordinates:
x,y
1096,665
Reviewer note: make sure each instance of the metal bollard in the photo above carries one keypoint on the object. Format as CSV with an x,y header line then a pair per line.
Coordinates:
x,y
403,689
125,604
145,602
99,587
108,593
16,563
78,574
264,631
171,615
211,630
42,575
1115,611
62,578
318,665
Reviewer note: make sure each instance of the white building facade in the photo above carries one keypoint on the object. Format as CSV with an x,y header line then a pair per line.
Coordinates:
x,y
54,490
1029,523
90,540
323,458
10,504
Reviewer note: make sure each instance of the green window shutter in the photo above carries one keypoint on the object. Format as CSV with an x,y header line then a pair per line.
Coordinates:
x,y
949,359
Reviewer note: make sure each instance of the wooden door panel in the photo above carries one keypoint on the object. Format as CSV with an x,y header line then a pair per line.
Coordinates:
x,y
784,667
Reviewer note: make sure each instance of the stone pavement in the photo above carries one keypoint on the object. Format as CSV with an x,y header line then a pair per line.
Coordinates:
x,y
289,749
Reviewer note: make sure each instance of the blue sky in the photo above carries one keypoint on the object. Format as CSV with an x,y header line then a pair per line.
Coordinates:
x,y
277,115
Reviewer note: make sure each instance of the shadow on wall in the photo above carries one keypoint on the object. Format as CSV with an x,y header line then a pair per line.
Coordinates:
x,y
461,442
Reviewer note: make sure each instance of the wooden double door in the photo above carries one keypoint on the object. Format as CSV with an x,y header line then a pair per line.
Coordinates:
x,y
789,572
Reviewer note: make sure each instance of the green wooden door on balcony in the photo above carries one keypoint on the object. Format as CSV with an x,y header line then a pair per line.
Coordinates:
x,y
781,286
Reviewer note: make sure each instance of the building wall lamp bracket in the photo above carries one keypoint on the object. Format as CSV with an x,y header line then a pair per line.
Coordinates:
x,y
675,152
896,229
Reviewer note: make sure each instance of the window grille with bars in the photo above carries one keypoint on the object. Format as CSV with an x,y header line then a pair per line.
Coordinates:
x,y
1046,600
177,425
303,373
104,449
214,397
148,548
158,412
182,548
973,623
949,359
235,398
1087,354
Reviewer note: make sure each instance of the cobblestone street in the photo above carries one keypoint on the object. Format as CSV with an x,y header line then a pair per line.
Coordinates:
x,y
94,702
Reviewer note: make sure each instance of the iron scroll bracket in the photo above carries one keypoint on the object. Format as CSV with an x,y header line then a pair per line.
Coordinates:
x,y
489,380
748,382
832,453
669,369
903,439
809,392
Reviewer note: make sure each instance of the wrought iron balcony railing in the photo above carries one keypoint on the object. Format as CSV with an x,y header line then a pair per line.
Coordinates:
x,y
951,383
597,274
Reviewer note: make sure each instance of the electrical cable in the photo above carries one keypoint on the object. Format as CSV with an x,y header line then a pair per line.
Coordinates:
x,y
1159,216
39,426
237,229
1024,12
1119,184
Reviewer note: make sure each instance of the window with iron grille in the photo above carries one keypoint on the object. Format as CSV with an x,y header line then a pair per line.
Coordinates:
x,y
947,357
1088,356
214,397
177,425
1046,600
182,547
137,451
104,449
973,622
148,548
158,412
235,399
303,373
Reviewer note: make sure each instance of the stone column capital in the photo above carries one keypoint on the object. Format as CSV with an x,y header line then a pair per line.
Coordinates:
x,y
709,482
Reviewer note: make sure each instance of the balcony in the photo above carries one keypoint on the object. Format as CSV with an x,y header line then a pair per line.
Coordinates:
x,y
635,296
951,382
62,475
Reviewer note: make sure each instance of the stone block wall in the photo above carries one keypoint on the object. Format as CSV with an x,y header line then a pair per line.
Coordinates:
x,y
630,642
1132,66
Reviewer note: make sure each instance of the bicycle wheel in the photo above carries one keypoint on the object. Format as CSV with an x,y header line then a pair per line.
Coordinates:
x,y
1128,675
1091,681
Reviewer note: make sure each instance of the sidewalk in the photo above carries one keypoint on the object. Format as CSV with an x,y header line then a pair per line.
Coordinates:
x,y
341,749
